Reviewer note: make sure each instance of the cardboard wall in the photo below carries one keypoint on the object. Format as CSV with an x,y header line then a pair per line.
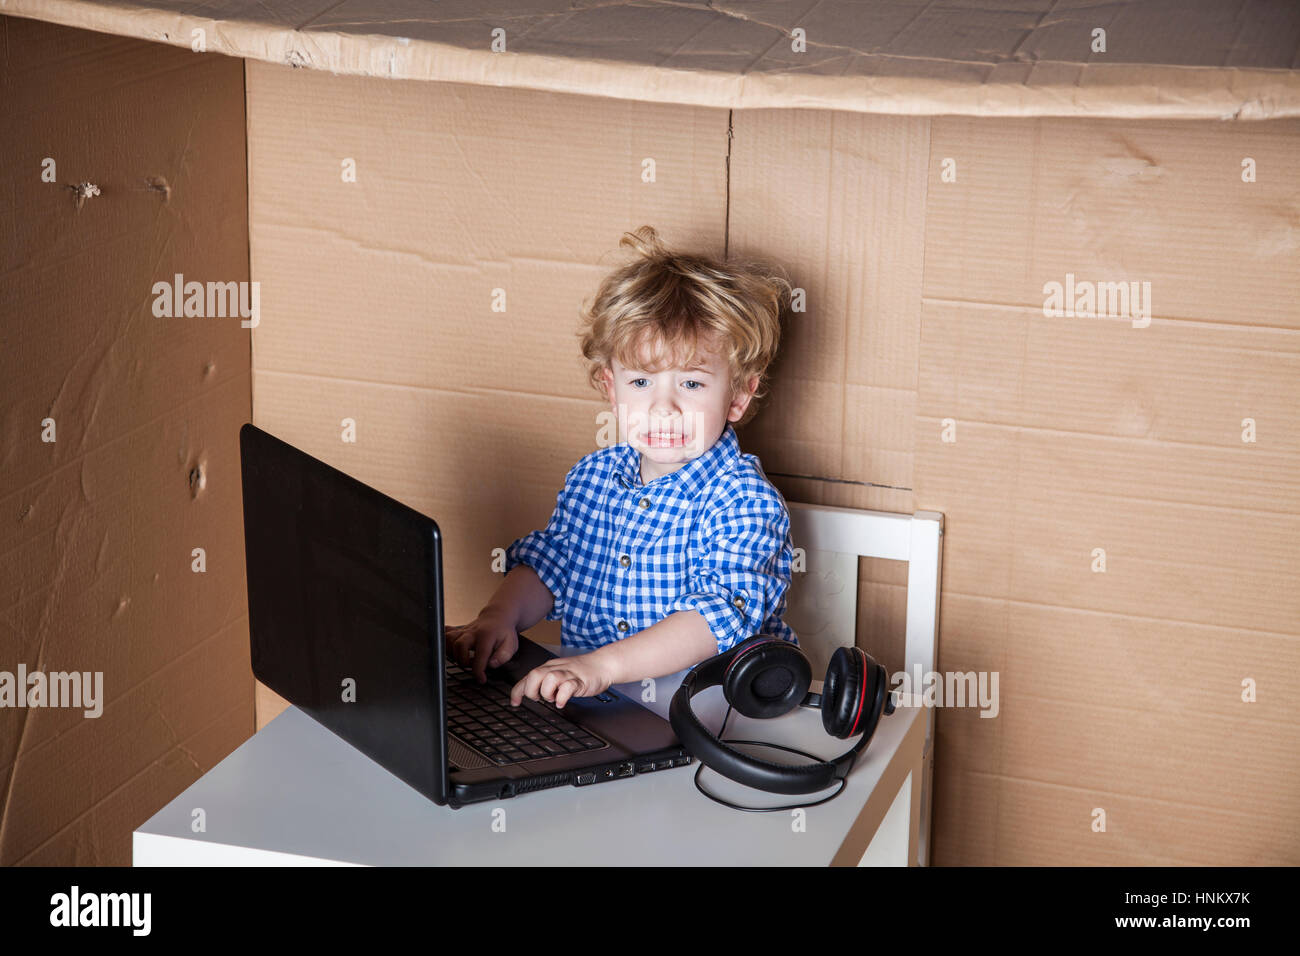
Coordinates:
x,y
378,294
97,527
1120,690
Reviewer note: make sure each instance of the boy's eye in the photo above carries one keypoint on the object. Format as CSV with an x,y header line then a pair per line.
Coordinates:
x,y
689,381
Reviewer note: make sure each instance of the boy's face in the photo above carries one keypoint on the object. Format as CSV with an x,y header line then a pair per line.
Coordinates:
x,y
677,414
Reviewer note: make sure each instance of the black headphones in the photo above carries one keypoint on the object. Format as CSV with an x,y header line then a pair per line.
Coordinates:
x,y
766,677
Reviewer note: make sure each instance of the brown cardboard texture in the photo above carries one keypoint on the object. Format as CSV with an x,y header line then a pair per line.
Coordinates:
x,y
1118,475
100,522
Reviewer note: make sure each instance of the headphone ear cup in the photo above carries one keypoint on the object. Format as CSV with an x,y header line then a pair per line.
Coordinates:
x,y
842,691
768,681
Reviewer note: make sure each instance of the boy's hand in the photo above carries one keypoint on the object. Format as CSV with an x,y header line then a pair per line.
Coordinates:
x,y
487,641
583,675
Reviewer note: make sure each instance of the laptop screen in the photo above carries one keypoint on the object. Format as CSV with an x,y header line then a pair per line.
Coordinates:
x,y
344,607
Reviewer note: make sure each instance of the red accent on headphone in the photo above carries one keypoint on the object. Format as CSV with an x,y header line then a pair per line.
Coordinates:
x,y
863,696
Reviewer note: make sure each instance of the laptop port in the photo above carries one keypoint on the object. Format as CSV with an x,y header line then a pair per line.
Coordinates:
x,y
683,761
608,773
586,778
626,770
645,767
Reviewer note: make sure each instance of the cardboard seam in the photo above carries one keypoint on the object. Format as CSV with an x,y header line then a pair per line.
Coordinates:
x,y
837,481
726,208
1073,701
988,423
467,391
1249,814
918,372
1226,509
1036,311
1180,622
469,262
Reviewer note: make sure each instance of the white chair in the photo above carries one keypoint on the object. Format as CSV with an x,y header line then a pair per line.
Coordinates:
x,y
823,599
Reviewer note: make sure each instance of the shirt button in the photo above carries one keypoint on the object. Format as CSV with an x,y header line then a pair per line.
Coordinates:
x,y
645,502
622,625
625,561
739,602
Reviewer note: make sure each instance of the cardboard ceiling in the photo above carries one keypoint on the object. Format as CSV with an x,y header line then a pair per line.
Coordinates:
x,y
1170,59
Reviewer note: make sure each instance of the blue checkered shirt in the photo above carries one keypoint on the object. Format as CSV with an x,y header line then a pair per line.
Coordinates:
x,y
619,555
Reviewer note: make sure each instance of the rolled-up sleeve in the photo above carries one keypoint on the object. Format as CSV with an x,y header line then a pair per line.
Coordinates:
x,y
547,553
741,576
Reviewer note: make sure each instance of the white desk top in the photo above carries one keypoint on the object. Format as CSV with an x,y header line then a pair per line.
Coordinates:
x,y
294,793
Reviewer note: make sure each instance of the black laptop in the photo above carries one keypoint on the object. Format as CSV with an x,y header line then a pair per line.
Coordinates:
x,y
345,612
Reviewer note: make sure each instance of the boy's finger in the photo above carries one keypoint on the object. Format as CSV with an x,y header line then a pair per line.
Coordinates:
x,y
565,692
545,689
523,689
460,648
482,651
552,683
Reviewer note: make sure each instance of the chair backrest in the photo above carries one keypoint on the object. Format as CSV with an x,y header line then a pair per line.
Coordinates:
x,y
823,598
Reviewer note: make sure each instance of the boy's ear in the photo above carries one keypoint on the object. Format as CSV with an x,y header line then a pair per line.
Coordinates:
x,y
608,376
741,402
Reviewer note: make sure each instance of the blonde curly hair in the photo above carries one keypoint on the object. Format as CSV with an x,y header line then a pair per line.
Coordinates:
x,y
681,303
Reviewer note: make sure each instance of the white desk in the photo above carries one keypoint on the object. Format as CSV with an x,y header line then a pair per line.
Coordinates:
x,y
295,794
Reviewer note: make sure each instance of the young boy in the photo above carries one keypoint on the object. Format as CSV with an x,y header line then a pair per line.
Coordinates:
x,y
672,545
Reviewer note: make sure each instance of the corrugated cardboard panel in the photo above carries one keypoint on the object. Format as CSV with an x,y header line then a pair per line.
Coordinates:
x,y
838,201
840,204
118,562
464,198
1111,716
1110,201
378,294
1156,833
97,770
1184,59
104,833
1079,439
1175,388
1173,548
100,525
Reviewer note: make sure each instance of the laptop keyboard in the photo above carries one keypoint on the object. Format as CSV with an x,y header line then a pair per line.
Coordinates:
x,y
481,715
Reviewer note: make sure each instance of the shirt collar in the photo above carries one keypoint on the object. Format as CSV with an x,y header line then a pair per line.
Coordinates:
x,y
688,480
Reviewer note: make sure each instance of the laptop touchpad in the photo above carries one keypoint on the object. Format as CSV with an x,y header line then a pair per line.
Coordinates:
x,y
458,755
